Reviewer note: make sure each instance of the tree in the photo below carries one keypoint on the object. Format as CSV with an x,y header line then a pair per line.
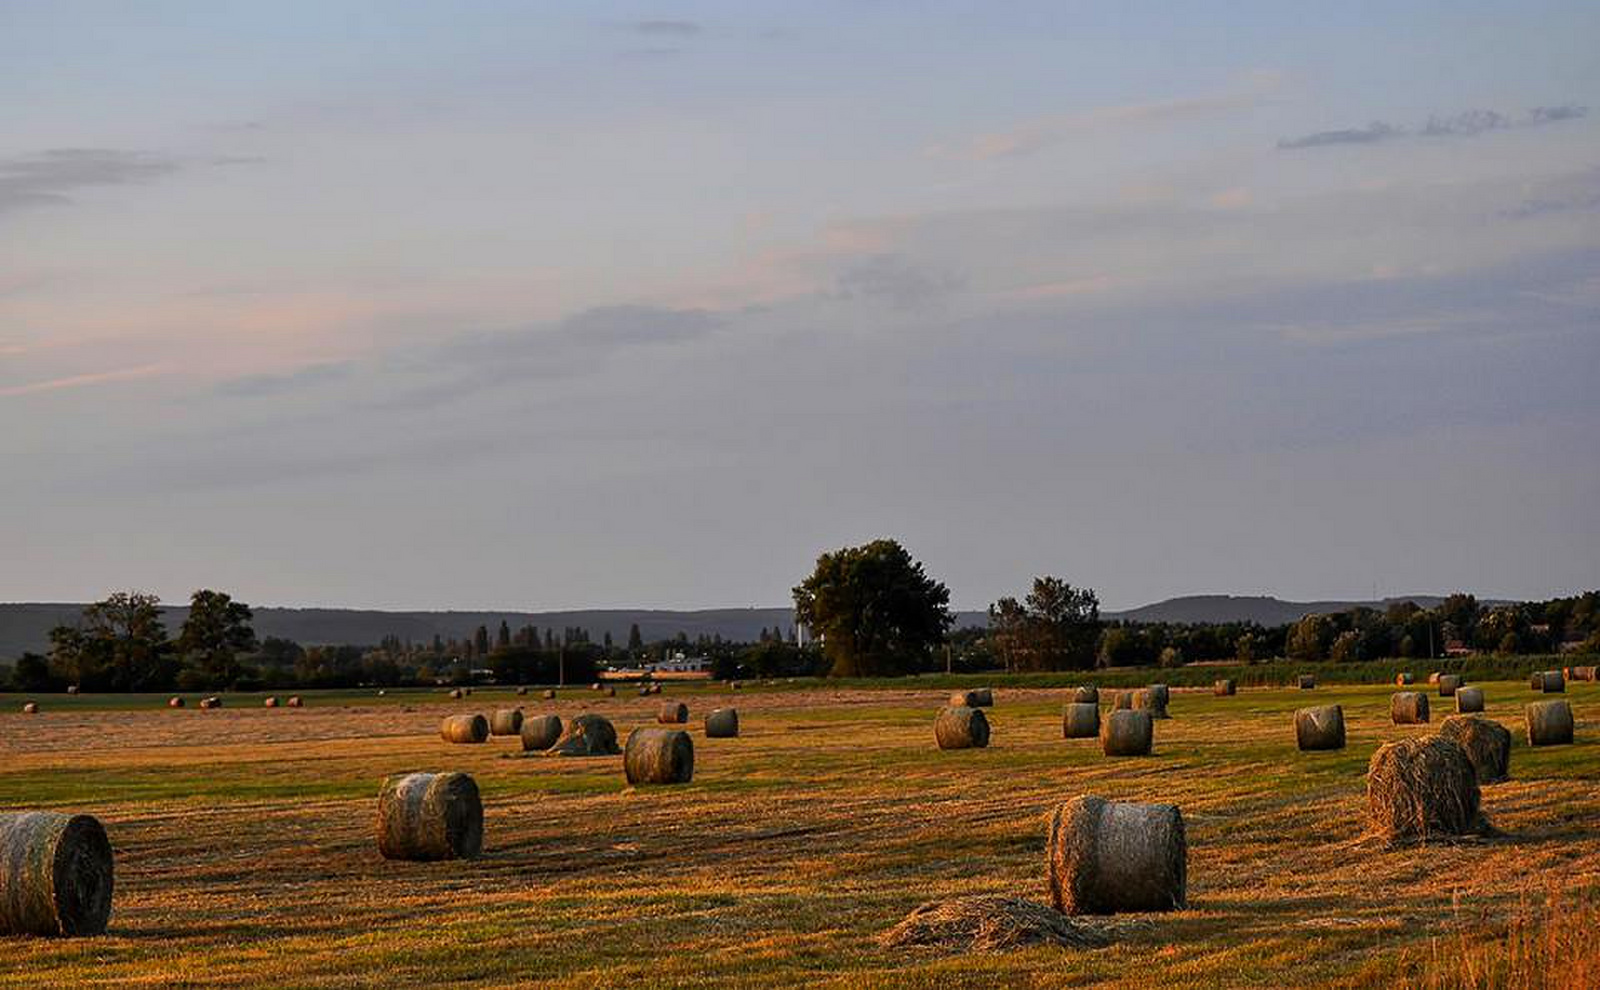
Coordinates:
x,y
480,642
875,609
1008,630
1063,624
121,645
215,633
1308,639
1245,648
32,674
635,641
502,639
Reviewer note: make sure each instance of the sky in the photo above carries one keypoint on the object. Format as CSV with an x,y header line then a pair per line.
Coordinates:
x,y
517,305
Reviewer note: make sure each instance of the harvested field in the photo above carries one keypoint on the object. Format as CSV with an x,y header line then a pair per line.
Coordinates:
x,y
245,853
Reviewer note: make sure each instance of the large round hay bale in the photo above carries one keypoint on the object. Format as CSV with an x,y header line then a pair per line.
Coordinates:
x,y
1469,699
1161,693
587,735
1081,720
1107,857
1433,678
1403,678
1086,694
430,816
722,723
464,729
1224,688
549,694
540,732
1549,723
1408,707
505,722
1152,701
1422,788
1487,744
658,756
1127,732
961,727
269,702
673,713
1321,727
975,698
1449,683
295,702
1122,700
1308,682
175,702
1551,682
1585,673
55,874
30,708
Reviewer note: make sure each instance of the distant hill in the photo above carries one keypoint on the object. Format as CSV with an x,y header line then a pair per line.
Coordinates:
x,y
25,627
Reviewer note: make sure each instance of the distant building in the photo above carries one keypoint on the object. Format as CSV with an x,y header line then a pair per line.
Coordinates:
x,y
678,663
1456,648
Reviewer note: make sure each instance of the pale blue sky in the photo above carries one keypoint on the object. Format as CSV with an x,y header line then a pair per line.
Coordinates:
x,y
540,305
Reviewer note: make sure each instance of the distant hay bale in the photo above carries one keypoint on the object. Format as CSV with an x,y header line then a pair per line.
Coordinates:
x,y
1449,683
673,713
522,690
735,685
505,722
1109,857
587,735
211,702
611,692
466,690
1487,744
549,694
1403,678
975,698
464,729
961,727
1582,674
175,702
1081,720
1162,694
1419,789
1551,682
1225,688
1469,699
1308,682
595,686
1536,681
1152,701
1086,694
430,816
655,689
722,723
1549,723
269,702
644,690
72,689
658,756
1321,727
1408,707
1127,732
455,693
30,708
1122,700
540,732
55,874
990,923
295,702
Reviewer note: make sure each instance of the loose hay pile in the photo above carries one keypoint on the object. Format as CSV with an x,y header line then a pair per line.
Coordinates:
x,y
430,816
1422,789
1549,723
540,732
1408,707
55,874
1487,744
658,756
961,728
1321,727
1081,720
1107,857
588,735
991,923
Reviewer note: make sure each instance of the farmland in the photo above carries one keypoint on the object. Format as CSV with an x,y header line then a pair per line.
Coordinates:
x,y
245,852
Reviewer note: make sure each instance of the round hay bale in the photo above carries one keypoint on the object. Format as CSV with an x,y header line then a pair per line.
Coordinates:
x,y
644,690
1321,727
30,708
722,723
1161,693
1403,678
522,690
466,690
1408,707
1081,720
211,702
269,702
1536,681
55,874
1308,682
736,686
1552,682
1152,701
540,732
595,686
981,698
295,702
1107,857
1122,700
1469,699
587,735
658,756
505,722
655,689
175,702
72,689
1086,694
1549,723
1487,744
611,692
455,693
961,727
464,729
1583,673
1126,732
673,713
1225,688
549,694
1433,678
1448,683
430,816
1421,788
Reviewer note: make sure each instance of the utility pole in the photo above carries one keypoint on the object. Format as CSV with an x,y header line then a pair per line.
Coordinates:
x,y
947,657
561,664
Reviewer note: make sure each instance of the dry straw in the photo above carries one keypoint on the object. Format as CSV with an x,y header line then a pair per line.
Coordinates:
x,y
990,923
1321,727
540,732
430,816
1107,857
1549,723
1408,707
464,729
658,756
1487,744
587,735
1421,789
506,722
961,727
722,723
1081,720
673,713
55,874
1126,732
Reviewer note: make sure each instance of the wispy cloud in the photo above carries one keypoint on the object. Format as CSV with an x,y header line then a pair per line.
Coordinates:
x,y
1464,124
49,176
81,381
667,28
308,376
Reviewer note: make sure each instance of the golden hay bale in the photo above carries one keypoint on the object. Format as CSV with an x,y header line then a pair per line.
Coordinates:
x,y
1549,723
540,732
72,689
1487,744
1321,727
55,874
1086,694
1107,857
175,702
30,708
1308,682
1551,682
1536,681
658,756
1122,700
673,713
1449,683
1127,732
464,729
961,727
1422,788
1403,678
505,722
655,689
211,702
587,735
430,816
269,702
1582,674
595,686
979,698
1162,693
1469,699
1408,707
455,693
522,690
549,694
611,692
990,923
295,702
1225,688
722,723
1433,678
735,685
1152,701
1081,720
